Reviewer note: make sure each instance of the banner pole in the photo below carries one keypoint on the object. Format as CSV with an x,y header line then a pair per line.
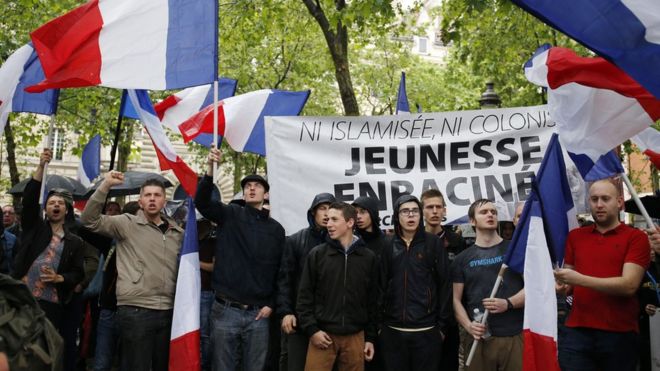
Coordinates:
x,y
638,202
215,128
44,178
496,286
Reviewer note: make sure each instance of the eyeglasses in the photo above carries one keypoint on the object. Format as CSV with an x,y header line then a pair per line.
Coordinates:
x,y
409,212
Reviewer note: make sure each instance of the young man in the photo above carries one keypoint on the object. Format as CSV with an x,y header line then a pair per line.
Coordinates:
x,y
417,292
368,224
147,249
474,272
337,297
603,265
297,246
435,210
248,251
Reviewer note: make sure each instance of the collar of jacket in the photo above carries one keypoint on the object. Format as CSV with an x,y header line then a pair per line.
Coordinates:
x,y
354,248
420,235
260,213
172,224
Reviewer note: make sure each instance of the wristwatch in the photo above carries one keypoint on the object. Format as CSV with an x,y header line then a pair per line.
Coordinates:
x,y
509,304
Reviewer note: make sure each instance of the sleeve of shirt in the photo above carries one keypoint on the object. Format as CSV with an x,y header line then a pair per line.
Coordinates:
x,y
456,269
569,253
639,250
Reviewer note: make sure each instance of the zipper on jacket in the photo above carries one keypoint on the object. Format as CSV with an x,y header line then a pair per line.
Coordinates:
x,y
343,308
430,296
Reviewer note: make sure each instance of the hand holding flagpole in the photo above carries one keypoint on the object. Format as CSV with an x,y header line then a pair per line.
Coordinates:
x,y
484,319
44,178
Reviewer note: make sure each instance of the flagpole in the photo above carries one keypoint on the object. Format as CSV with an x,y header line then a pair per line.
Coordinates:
x,y
215,127
115,144
44,178
498,282
638,202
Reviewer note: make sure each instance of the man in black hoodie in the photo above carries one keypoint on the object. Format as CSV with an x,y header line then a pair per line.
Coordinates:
x,y
416,304
298,245
337,299
368,224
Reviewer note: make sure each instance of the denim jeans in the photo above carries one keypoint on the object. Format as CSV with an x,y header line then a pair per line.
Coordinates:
x,y
145,337
585,349
239,341
107,339
206,303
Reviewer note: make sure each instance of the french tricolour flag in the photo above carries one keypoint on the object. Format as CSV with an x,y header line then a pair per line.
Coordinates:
x,y
179,107
537,244
185,336
167,156
648,141
595,104
241,118
22,69
90,161
626,32
129,44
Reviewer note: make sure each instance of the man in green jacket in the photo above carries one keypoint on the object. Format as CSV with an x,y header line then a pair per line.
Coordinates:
x,y
147,247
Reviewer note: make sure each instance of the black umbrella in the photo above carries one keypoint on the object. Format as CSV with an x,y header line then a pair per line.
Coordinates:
x,y
133,180
53,181
651,204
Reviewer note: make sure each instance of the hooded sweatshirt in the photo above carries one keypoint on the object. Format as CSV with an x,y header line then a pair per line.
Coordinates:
x,y
415,278
296,248
375,240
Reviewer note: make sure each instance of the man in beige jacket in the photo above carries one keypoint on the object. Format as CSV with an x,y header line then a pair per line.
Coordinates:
x,y
147,247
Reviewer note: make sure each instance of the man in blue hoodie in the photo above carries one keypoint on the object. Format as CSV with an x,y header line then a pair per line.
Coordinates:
x,y
298,245
416,304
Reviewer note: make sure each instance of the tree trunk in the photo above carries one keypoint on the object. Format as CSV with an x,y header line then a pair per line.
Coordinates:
x,y
338,46
14,176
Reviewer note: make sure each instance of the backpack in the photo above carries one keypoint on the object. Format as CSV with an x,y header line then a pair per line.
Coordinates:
x,y
28,338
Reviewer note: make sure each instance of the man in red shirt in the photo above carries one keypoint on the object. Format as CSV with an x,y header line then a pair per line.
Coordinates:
x,y
603,265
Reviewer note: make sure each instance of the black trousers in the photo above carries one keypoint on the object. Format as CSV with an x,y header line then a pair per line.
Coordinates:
x,y
411,351
144,338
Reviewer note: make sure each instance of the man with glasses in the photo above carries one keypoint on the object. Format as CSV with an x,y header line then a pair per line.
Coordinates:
x,y
10,221
417,292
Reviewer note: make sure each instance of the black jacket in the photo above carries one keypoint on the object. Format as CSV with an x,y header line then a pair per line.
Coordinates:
x,y
36,237
296,248
248,249
415,281
338,290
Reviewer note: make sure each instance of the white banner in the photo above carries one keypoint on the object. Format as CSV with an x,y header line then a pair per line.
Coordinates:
x,y
467,155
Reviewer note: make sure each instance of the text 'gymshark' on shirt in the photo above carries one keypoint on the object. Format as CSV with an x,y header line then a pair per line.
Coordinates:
x,y
486,261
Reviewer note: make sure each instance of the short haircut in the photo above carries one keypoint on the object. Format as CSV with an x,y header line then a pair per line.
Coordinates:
x,y
152,182
478,203
615,181
112,203
430,193
131,208
347,211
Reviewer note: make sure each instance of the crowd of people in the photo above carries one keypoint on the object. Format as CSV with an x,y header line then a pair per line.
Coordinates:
x,y
338,294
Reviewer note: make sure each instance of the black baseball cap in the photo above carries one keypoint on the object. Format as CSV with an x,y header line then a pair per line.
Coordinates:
x,y
255,178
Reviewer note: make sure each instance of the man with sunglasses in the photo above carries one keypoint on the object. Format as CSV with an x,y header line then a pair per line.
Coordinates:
x,y
417,292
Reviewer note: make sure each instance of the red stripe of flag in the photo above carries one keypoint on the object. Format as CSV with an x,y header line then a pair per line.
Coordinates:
x,y
68,47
